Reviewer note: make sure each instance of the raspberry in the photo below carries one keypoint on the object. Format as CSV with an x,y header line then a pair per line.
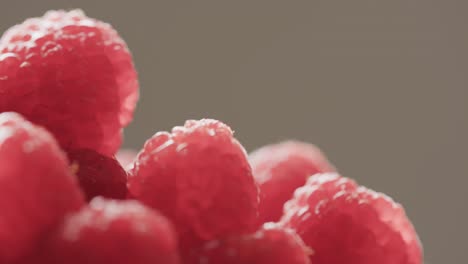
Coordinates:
x,y
269,245
36,186
71,74
345,223
98,175
117,232
199,177
281,168
126,157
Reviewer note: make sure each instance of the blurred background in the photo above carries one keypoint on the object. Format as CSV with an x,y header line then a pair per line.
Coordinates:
x,y
380,86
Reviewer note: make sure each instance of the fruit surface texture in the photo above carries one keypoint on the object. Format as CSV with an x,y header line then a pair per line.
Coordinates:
x,y
71,74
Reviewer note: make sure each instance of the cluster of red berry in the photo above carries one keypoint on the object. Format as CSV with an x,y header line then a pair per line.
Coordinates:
x,y
68,87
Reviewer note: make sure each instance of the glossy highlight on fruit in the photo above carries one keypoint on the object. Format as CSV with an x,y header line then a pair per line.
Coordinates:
x,y
126,157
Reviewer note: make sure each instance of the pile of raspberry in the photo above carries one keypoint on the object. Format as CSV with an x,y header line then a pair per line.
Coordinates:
x,y
193,195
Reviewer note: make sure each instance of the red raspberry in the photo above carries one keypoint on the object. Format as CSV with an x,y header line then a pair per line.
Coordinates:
x,y
98,175
126,157
117,232
345,223
269,245
281,168
72,74
36,185
199,177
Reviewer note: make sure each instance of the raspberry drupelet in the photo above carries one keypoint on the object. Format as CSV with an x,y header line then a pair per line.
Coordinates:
x,y
73,75
346,223
199,177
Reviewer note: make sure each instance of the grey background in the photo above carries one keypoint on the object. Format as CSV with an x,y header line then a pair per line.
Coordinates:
x,y
380,86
